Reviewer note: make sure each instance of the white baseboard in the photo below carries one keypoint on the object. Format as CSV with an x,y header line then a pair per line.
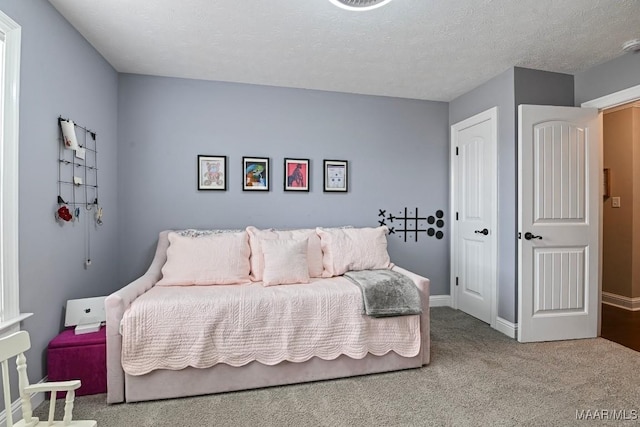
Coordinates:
x,y
620,301
440,301
16,407
506,327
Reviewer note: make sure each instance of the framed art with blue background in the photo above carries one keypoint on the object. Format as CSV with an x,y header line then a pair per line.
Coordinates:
x,y
255,173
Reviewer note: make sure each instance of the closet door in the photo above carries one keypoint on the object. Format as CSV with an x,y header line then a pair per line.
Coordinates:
x,y
474,198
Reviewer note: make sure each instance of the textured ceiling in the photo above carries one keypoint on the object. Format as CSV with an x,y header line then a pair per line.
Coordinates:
x,y
423,49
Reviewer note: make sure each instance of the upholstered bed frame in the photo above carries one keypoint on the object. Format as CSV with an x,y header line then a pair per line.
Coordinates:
x,y
163,384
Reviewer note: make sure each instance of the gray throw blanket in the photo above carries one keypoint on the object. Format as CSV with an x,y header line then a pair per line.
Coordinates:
x,y
386,293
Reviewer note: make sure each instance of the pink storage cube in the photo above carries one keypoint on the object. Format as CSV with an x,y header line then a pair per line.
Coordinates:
x,y
79,357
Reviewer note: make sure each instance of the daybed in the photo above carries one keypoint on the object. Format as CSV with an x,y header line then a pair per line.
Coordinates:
x,y
165,337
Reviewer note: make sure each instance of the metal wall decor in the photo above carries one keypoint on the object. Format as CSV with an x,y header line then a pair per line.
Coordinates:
x,y
78,179
77,166
409,224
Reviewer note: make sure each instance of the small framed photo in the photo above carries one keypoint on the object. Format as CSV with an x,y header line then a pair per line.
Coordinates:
x,y
212,172
255,173
296,174
606,183
336,174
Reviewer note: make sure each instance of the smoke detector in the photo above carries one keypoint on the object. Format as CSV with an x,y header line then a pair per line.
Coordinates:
x,y
631,45
359,5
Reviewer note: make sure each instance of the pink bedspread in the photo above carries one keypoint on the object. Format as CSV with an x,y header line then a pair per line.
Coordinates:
x,y
200,326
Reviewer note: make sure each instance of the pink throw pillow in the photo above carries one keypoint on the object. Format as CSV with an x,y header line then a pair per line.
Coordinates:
x,y
314,251
285,262
216,259
350,249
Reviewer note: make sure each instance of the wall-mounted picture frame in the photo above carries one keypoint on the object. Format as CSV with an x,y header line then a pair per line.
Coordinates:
x,y
296,174
336,176
606,183
255,173
212,172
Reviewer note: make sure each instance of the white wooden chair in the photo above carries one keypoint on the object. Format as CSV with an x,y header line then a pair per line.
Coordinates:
x,y
15,345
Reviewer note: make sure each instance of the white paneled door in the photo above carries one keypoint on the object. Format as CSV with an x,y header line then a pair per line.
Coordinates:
x,y
474,188
558,198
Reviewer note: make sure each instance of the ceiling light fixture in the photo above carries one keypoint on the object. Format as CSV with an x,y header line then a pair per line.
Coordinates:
x,y
359,5
631,45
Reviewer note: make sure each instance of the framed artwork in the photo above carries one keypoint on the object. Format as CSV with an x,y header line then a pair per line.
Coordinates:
x,y
296,174
212,172
255,173
336,174
606,182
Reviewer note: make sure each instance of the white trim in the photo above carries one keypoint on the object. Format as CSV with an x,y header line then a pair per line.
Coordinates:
x,y
16,406
608,101
453,205
440,301
490,114
9,249
14,321
600,215
506,327
621,301
614,99
624,106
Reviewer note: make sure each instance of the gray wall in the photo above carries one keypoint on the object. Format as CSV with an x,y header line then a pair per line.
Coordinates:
x,y
506,91
542,88
604,79
61,74
397,151
150,131
499,92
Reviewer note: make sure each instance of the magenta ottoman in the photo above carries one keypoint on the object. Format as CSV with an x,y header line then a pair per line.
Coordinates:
x,y
79,357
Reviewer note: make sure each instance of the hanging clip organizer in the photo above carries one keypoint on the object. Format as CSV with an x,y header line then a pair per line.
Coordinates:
x,y
77,166
78,178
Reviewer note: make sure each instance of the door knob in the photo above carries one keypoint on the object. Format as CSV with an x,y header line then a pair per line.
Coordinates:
x,y
530,236
484,231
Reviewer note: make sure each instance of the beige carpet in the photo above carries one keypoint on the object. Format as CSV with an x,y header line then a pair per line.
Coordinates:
x,y
477,377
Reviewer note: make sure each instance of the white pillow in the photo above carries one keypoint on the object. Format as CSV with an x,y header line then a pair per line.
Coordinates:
x,y
285,262
314,251
352,249
215,259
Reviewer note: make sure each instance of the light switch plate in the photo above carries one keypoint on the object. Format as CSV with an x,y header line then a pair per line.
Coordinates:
x,y
615,202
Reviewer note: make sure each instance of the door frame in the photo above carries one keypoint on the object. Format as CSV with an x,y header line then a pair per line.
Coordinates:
x,y
604,102
490,114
